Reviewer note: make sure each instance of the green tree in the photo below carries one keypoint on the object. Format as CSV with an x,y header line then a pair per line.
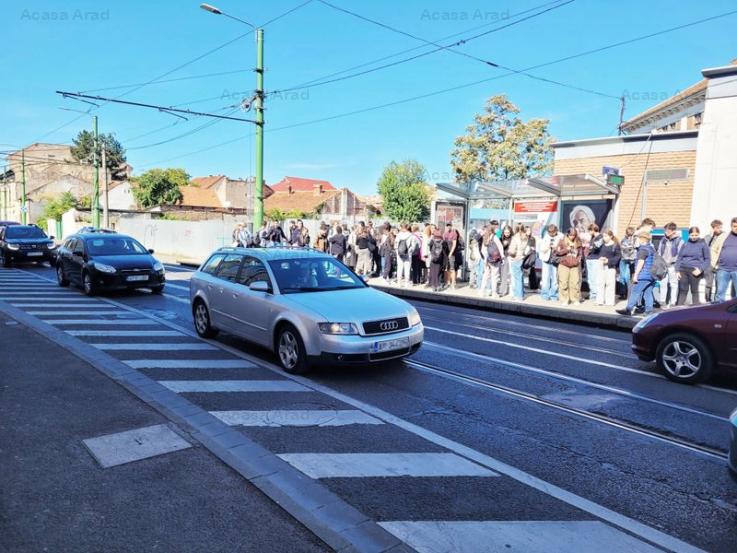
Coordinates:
x,y
500,146
58,206
84,146
159,187
403,187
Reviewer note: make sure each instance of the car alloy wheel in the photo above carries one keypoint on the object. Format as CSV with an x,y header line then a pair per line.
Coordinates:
x,y
684,358
202,321
89,288
291,351
60,278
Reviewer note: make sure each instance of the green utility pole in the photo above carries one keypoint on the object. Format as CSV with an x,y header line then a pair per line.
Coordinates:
x,y
23,201
96,188
258,208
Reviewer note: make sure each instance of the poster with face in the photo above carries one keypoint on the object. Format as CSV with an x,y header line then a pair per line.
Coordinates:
x,y
581,214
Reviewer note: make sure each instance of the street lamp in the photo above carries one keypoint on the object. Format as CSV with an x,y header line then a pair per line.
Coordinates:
x,y
258,211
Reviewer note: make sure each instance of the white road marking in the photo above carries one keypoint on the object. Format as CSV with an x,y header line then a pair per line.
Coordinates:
x,y
536,350
363,465
157,347
189,364
36,299
177,298
24,294
55,305
151,333
528,536
65,313
185,386
561,376
177,286
621,521
277,418
101,322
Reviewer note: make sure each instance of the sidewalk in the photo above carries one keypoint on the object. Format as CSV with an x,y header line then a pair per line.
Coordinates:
x,y
57,497
532,305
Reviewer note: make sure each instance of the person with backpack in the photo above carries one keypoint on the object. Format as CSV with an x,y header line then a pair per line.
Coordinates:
x,y
693,259
437,253
492,253
454,260
338,243
386,250
592,254
417,263
321,242
645,275
549,243
569,253
610,256
628,247
709,274
404,250
518,250
668,249
529,263
504,272
363,254
474,257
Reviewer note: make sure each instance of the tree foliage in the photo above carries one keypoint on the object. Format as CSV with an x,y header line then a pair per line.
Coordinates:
x,y
280,215
403,187
500,146
58,206
84,146
159,187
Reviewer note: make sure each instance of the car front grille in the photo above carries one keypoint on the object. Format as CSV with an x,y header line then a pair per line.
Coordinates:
x,y
29,247
386,326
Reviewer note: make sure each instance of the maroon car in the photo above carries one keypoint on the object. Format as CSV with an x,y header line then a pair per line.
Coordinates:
x,y
689,344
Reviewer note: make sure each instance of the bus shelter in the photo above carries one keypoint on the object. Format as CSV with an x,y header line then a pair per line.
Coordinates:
x,y
564,200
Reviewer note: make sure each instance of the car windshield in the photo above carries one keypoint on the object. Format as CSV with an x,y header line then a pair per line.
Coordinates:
x,y
313,275
21,232
114,245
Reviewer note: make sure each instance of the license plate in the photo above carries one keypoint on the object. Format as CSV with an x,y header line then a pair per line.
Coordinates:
x,y
390,345
137,278
34,254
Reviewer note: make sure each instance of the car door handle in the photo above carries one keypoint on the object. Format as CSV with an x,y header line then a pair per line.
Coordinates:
x,y
236,295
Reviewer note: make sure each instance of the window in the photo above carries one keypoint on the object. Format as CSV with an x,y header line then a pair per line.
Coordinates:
x,y
313,275
19,231
78,247
228,268
253,271
212,264
115,245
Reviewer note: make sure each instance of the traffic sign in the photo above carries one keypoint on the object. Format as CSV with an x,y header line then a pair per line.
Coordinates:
x,y
606,170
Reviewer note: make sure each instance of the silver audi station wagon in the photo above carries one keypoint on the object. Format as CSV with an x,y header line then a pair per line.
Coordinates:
x,y
304,305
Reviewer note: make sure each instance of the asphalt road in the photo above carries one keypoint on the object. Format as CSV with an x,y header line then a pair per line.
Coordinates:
x,y
579,430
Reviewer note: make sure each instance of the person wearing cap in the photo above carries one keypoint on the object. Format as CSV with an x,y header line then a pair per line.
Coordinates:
x,y
644,280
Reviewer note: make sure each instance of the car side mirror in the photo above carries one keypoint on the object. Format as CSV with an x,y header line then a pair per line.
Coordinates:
x,y
259,286
150,251
52,238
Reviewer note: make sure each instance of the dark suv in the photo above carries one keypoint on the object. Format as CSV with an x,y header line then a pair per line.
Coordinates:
x,y
25,243
99,261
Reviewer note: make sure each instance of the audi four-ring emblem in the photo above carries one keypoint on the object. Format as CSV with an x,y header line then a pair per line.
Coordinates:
x,y
389,325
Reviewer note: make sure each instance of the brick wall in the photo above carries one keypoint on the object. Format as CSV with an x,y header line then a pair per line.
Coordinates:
x,y
664,203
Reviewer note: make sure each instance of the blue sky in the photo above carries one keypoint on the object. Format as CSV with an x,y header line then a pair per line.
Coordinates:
x,y
85,45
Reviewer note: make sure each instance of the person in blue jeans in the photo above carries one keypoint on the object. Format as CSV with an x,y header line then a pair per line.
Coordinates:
x,y
724,260
548,245
644,280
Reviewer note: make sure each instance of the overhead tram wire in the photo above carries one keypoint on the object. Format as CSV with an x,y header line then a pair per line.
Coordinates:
x,y
183,65
467,55
177,79
423,54
458,87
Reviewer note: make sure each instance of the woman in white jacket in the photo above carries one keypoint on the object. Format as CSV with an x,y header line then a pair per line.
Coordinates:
x,y
493,253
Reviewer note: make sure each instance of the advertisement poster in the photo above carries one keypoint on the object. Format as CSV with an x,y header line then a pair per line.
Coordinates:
x,y
581,214
449,212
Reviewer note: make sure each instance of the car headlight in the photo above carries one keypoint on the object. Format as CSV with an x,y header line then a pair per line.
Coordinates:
x,y
646,321
414,319
50,245
158,267
105,268
338,328
14,247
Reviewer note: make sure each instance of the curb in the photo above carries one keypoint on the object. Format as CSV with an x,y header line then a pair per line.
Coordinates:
x,y
340,525
619,322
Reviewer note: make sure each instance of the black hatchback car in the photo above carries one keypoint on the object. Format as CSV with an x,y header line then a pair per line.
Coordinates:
x,y
25,243
101,261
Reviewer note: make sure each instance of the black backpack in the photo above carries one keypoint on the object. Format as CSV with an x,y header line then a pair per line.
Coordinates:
x,y
493,255
436,250
402,248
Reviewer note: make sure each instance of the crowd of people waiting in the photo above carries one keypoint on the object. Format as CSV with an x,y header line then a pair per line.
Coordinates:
x,y
574,266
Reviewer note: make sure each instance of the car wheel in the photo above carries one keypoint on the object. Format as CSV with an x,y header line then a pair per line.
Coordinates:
x,y
61,277
684,358
202,323
158,290
87,285
291,350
